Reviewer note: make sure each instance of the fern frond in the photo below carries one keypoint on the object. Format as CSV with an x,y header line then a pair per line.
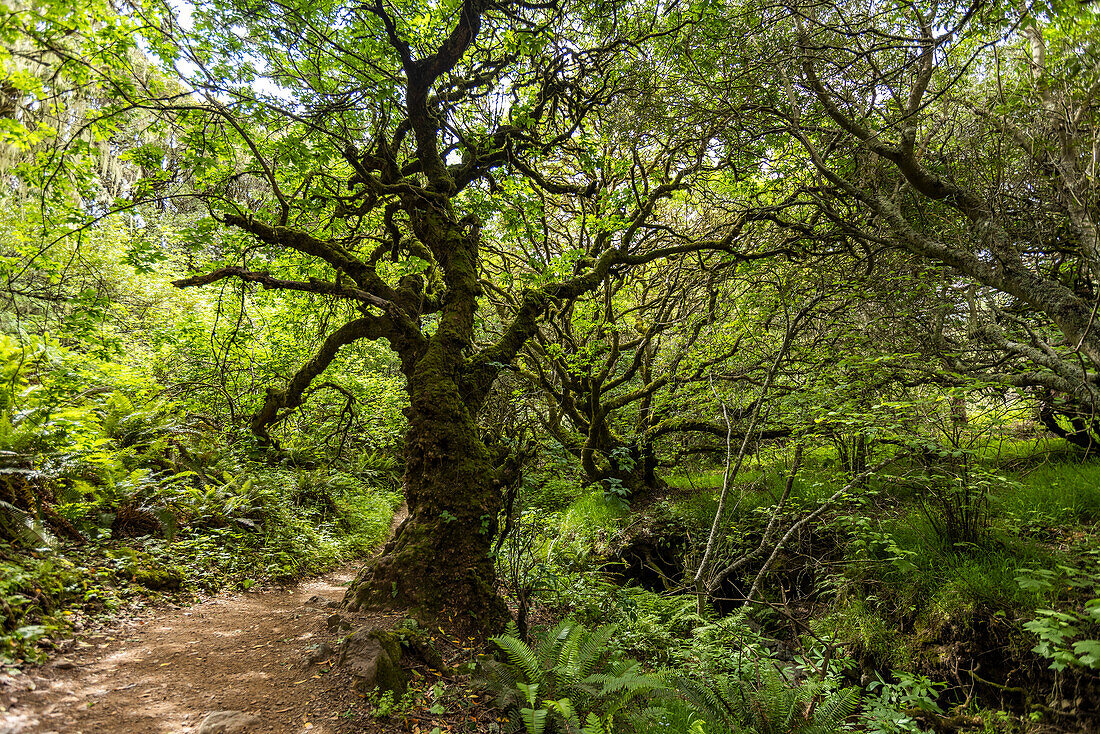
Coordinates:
x,y
709,702
593,725
835,708
675,716
534,720
551,643
530,692
567,662
500,679
521,656
563,707
628,681
770,704
592,648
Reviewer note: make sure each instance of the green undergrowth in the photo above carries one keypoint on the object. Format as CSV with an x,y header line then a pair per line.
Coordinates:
x,y
902,592
593,512
909,606
758,488
583,529
1053,495
112,495
1020,453
298,525
908,599
574,677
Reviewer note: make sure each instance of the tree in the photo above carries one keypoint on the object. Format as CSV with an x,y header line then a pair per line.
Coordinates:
x,y
365,167
965,134
613,366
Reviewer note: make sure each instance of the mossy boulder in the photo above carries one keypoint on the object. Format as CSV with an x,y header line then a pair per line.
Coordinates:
x,y
144,569
159,578
373,657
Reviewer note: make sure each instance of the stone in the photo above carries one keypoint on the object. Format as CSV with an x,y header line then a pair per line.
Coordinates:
x,y
372,656
159,578
227,722
319,654
319,601
337,623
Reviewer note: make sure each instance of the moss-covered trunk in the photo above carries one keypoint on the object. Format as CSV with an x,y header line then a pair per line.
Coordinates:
x,y
638,475
628,470
439,565
439,561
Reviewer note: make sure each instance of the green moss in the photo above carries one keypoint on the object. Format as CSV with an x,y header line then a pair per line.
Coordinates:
x,y
373,657
946,616
419,645
435,568
159,578
390,675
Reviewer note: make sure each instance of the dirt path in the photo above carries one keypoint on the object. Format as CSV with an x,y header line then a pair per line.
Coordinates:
x,y
166,671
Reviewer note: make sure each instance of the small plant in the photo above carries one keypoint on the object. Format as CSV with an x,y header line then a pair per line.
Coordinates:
x,y
764,703
570,676
712,645
654,628
520,565
385,706
889,707
956,497
1067,638
616,493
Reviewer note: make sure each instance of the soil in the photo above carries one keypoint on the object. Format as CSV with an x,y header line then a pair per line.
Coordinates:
x,y
164,672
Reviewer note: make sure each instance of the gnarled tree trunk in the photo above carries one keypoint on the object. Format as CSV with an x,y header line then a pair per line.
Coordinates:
x,y
439,562
439,565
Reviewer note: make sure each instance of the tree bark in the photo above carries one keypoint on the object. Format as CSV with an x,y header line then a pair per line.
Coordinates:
x,y
440,562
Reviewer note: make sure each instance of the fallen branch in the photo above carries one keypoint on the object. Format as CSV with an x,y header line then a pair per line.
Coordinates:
x,y
769,532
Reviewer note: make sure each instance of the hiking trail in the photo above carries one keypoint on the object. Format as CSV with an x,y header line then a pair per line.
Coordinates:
x,y
167,669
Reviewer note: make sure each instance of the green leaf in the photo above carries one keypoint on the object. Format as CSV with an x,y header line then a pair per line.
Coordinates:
x,y
529,690
1088,652
534,719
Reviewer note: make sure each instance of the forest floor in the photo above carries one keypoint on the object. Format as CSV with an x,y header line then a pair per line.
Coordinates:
x,y
167,670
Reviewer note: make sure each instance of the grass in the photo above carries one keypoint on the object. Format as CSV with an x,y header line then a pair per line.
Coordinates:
x,y
592,512
1014,452
905,590
1053,494
915,561
751,499
894,611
